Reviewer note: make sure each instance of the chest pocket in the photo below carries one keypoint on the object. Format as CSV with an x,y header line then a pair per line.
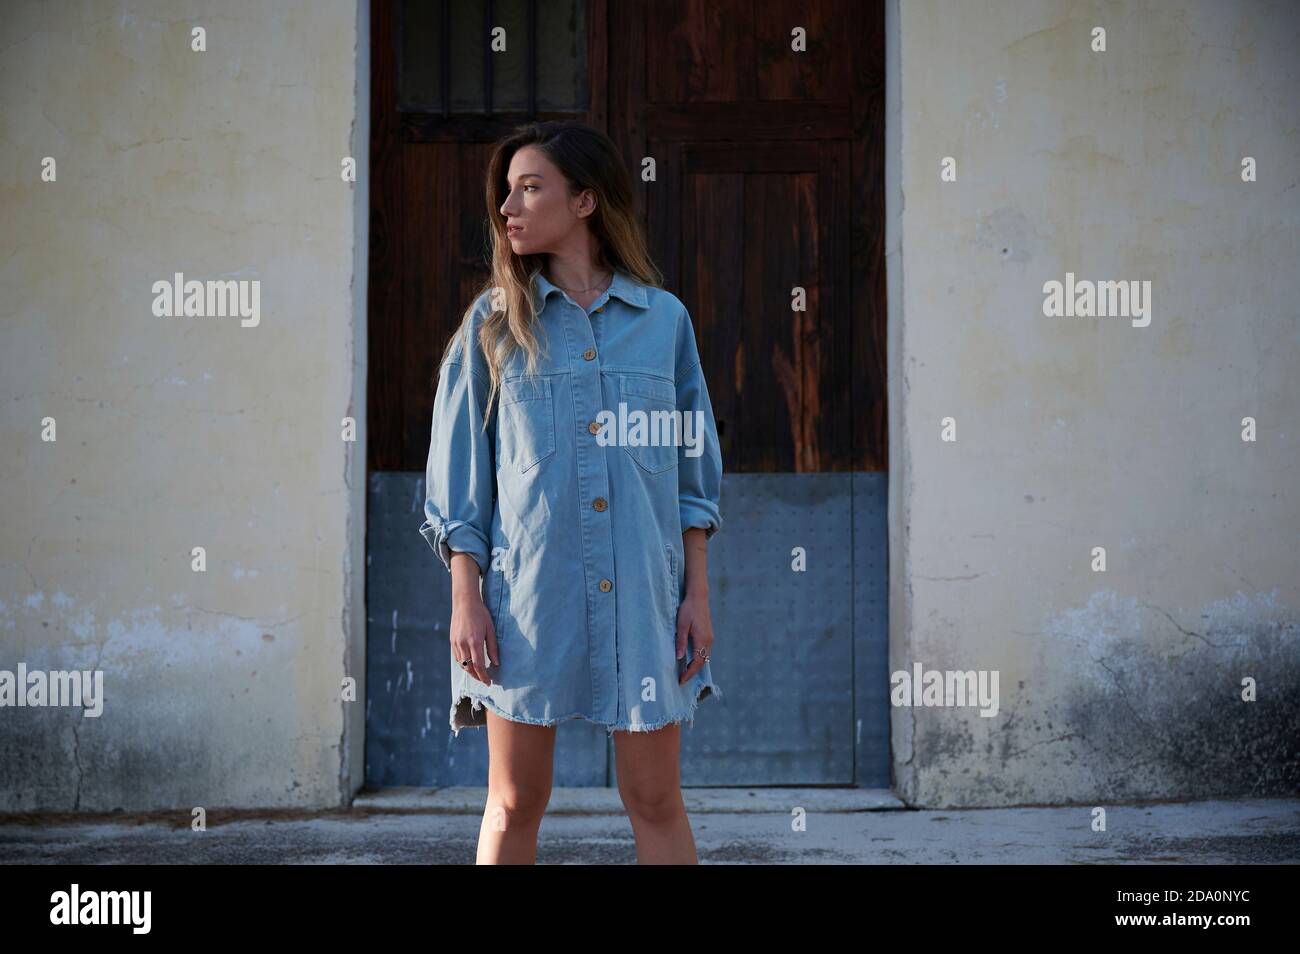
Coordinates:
x,y
653,446
527,422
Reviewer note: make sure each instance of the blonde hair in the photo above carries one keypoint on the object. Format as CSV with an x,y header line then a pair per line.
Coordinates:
x,y
588,159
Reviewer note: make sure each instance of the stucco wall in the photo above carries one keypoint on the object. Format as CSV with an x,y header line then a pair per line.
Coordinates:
x,y
1075,433
221,687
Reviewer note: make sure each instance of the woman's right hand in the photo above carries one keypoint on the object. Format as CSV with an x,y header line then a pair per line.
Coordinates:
x,y
473,636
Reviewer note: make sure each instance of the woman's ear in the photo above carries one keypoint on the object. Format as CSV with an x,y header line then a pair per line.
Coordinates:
x,y
586,203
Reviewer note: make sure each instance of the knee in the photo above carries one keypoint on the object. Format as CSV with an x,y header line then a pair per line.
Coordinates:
x,y
651,801
516,804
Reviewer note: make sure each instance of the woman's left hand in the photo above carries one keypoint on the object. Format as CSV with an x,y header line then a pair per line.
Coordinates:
x,y
693,619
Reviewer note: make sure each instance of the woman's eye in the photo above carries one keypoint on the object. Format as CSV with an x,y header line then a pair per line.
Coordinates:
x,y
527,187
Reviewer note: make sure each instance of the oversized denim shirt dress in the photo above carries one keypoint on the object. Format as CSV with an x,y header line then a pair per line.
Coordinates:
x,y
575,517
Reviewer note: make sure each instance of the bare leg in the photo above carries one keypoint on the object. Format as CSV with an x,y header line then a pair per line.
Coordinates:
x,y
520,762
649,782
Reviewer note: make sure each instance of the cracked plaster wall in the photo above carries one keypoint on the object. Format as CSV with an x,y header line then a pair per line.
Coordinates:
x,y
1076,433
221,687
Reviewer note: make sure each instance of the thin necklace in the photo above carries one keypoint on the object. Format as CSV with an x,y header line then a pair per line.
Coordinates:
x,y
575,291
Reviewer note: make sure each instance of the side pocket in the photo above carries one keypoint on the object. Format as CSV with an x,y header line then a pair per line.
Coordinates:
x,y
495,583
674,591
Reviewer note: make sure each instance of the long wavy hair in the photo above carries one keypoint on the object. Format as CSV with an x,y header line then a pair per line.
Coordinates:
x,y
588,159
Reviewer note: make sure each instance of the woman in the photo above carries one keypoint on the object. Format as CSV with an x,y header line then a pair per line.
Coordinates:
x,y
574,465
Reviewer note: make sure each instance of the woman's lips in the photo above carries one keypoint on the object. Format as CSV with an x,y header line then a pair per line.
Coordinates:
x,y
514,229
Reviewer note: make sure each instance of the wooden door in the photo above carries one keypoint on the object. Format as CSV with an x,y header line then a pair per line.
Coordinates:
x,y
761,127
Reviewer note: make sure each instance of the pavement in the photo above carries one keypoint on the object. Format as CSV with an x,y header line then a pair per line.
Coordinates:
x,y
731,826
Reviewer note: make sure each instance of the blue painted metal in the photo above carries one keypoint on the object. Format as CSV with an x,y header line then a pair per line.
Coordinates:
x,y
871,628
800,655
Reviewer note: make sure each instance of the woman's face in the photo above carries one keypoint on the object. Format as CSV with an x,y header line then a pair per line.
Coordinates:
x,y
539,204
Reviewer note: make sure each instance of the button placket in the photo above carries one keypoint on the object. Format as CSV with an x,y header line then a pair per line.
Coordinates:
x,y
593,479
600,504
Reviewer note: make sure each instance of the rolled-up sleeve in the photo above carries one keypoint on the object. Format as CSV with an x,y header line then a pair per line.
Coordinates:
x,y
699,461
460,476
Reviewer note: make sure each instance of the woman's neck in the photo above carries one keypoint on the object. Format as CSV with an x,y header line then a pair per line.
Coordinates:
x,y
584,279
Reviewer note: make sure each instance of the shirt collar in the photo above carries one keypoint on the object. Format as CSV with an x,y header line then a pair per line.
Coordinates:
x,y
622,286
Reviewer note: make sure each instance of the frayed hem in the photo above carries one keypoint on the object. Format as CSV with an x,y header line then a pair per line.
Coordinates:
x,y
477,705
703,692
484,704
480,704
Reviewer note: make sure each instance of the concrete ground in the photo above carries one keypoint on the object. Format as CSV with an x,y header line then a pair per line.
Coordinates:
x,y
731,826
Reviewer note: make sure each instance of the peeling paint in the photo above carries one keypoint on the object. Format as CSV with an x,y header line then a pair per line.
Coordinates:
x,y
1124,164
1130,703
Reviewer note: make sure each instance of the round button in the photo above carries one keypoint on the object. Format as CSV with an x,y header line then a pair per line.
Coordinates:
x,y
599,503
594,427
590,352
606,586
